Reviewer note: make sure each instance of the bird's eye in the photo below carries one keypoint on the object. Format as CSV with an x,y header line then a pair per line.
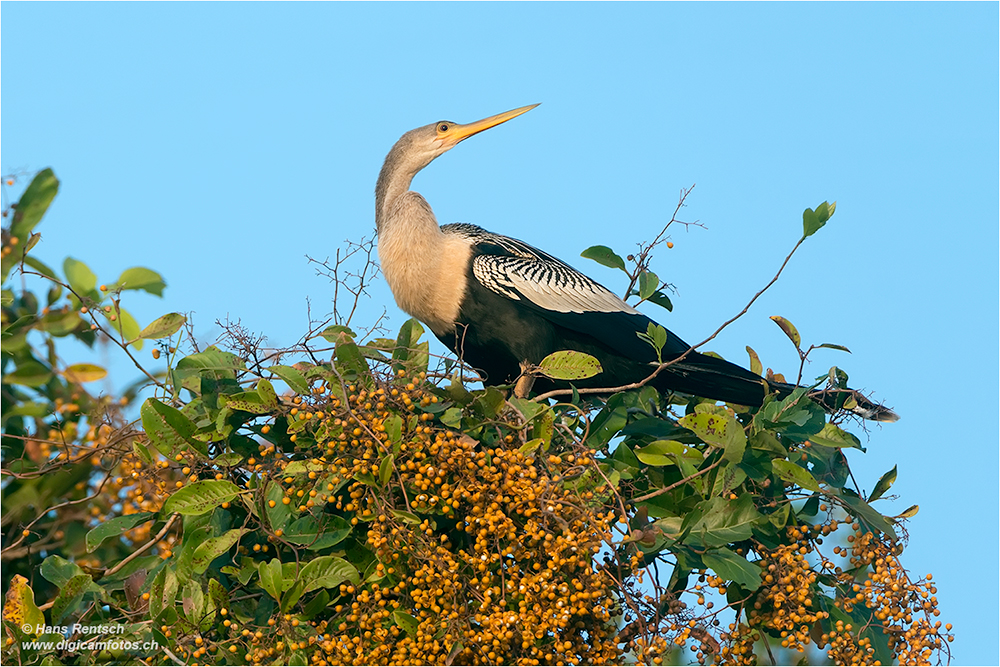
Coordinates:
x,y
443,127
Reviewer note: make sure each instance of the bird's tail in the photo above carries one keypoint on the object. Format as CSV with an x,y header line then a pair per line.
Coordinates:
x,y
710,377
835,399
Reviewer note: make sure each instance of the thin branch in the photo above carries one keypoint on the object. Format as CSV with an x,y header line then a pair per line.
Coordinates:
x,y
145,547
666,489
96,325
681,357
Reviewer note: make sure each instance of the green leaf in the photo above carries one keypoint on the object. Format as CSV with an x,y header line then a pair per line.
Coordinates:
x,y
58,570
214,547
295,380
60,323
200,497
570,365
408,622
56,291
408,348
731,566
385,469
164,583
248,568
115,526
488,402
70,596
718,430
406,517
80,373
661,300
142,451
327,572
765,440
140,278
779,517
34,202
348,355
212,363
608,422
605,256
218,596
544,426
279,515
813,221
658,335
249,401
332,332
755,366
866,513
125,325
169,430
832,346
25,322
293,592
648,282
728,478
79,276
193,601
528,448
883,485
32,241
834,436
718,522
789,329
308,532
394,429
795,474
30,409
529,409
267,394
28,374
270,577
228,460
365,478
827,464
163,327
666,452
794,416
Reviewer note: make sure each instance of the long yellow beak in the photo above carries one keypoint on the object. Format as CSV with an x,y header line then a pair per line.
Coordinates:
x,y
457,133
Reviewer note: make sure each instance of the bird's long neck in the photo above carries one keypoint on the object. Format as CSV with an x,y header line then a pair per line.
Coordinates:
x,y
393,182
425,267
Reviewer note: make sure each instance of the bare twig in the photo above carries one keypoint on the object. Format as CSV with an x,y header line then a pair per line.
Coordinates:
x,y
642,258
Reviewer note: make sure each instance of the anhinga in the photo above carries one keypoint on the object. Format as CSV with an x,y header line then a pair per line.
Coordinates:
x,y
501,304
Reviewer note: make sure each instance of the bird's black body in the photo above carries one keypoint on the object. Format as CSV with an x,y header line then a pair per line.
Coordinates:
x,y
496,332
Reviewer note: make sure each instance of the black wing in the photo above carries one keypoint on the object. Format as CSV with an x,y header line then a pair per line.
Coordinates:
x,y
566,297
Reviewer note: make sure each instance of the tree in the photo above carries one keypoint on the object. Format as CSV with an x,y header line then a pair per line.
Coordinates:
x,y
347,501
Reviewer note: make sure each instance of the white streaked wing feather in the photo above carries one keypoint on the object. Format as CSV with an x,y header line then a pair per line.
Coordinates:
x,y
555,287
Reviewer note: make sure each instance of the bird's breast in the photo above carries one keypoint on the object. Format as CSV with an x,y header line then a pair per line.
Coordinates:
x,y
428,275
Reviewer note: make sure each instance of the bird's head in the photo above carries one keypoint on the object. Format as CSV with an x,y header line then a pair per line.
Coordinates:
x,y
417,148
422,145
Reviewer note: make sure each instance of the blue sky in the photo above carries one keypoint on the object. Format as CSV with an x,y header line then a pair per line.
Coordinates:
x,y
220,143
